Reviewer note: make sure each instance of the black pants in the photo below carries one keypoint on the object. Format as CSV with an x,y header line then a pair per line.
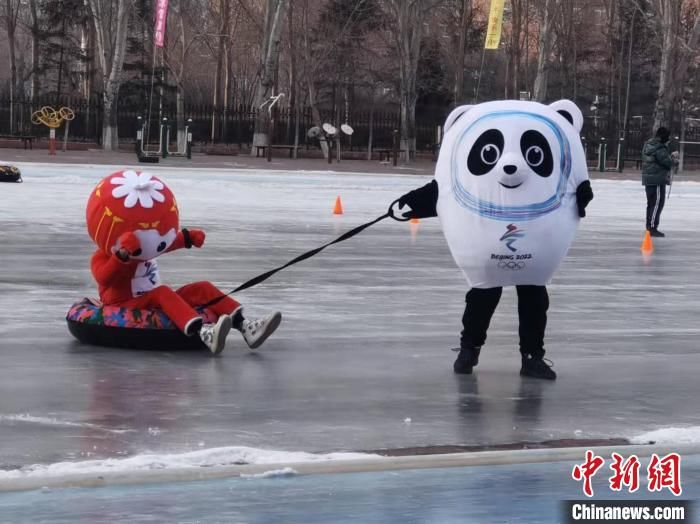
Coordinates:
x,y
533,303
656,197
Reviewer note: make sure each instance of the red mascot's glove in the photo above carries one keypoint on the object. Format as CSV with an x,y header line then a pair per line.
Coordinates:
x,y
129,245
197,237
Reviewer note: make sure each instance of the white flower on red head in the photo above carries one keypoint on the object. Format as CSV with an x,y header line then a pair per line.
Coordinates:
x,y
137,188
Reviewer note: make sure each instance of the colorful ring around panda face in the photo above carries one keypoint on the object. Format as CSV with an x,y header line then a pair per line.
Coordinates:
x,y
512,213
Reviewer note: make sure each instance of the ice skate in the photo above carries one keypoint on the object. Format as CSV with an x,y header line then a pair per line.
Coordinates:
x,y
537,367
466,360
214,335
255,332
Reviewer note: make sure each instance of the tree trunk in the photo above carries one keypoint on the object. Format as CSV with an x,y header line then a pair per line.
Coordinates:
x,y
515,46
543,52
625,118
269,64
370,138
217,97
180,117
111,50
461,48
11,27
35,32
668,40
408,35
315,113
675,59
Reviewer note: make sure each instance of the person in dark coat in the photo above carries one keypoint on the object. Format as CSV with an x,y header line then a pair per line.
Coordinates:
x,y
657,163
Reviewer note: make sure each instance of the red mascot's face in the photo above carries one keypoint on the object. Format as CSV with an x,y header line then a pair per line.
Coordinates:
x,y
136,202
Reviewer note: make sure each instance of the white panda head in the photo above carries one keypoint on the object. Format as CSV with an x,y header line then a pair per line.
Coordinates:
x,y
511,160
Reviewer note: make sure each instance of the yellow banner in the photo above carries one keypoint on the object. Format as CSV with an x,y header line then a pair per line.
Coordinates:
x,y
493,36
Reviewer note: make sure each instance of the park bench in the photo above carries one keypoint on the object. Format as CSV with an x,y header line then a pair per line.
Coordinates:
x,y
26,139
386,153
263,149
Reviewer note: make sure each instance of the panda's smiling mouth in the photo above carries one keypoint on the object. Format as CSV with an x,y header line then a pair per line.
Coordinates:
x,y
511,187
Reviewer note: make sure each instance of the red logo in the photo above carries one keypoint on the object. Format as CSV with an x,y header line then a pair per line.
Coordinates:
x,y
662,473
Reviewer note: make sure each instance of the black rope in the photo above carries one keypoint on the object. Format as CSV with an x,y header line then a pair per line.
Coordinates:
x,y
264,276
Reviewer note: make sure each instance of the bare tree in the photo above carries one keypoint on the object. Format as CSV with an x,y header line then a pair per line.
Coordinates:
x,y
10,15
465,15
111,21
274,19
176,57
544,49
408,17
36,35
677,52
518,21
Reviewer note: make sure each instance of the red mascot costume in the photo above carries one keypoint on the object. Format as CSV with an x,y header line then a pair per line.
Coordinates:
x,y
133,218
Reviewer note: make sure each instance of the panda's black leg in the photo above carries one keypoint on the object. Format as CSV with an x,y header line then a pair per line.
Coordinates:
x,y
480,306
533,303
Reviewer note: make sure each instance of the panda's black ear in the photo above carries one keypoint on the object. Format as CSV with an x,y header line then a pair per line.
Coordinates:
x,y
566,115
570,112
454,116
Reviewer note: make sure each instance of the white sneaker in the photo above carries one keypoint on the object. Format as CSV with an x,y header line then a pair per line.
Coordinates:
x,y
255,332
214,335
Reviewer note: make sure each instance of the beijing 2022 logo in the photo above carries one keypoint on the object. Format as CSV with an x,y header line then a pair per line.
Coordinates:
x,y
511,235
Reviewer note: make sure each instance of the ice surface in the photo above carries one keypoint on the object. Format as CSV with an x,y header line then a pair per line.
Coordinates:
x,y
368,324
523,493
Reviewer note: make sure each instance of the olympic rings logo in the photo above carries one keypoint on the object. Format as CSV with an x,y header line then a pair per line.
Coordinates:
x,y
51,117
511,264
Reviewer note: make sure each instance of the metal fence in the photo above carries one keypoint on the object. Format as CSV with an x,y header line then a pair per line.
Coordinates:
x,y
629,151
233,125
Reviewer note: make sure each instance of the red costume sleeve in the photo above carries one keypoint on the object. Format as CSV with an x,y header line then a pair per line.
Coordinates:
x,y
178,243
182,240
109,270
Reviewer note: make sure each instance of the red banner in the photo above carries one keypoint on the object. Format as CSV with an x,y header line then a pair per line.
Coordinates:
x,y
161,18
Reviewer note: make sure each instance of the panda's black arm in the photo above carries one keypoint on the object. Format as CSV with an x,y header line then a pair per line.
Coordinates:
x,y
422,201
584,194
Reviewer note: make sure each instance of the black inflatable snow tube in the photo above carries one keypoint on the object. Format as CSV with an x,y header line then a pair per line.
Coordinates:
x,y
112,326
10,174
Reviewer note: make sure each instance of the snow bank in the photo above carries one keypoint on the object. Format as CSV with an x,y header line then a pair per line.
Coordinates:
x,y
689,435
224,456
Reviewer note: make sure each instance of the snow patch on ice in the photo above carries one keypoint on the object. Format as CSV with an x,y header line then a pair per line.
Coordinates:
x,y
223,456
52,421
689,435
284,472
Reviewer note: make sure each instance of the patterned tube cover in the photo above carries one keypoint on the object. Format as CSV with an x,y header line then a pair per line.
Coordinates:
x,y
90,312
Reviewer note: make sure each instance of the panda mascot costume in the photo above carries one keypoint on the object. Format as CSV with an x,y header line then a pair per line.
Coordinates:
x,y
510,186
133,218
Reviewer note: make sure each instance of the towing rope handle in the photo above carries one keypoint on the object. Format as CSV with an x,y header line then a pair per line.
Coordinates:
x,y
392,214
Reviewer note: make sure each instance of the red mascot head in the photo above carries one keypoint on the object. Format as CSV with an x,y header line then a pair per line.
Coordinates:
x,y
130,201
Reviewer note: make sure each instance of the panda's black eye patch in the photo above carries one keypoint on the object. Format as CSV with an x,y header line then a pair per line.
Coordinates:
x,y
485,152
537,153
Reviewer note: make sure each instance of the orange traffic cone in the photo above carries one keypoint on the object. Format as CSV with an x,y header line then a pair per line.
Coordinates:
x,y
647,245
338,209
415,221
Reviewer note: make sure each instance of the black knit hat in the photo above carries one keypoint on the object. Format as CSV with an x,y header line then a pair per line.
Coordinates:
x,y
663,134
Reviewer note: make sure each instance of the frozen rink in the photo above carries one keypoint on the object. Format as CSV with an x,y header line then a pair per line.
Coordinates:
x,y
361,361
431,496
